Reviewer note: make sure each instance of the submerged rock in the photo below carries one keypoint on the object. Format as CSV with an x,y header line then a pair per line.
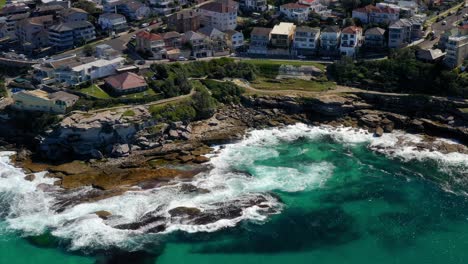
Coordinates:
x,y
103,214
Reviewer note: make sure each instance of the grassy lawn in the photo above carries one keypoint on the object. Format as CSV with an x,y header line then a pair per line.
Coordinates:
x,y
95,91
2,3
148,92
270,68
292,84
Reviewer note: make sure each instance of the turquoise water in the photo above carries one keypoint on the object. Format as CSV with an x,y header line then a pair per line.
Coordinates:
x,y
345,197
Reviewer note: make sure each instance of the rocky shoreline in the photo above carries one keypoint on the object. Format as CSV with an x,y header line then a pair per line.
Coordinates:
x,y
122,152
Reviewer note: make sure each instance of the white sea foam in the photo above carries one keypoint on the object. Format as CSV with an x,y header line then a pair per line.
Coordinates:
x,y
236,178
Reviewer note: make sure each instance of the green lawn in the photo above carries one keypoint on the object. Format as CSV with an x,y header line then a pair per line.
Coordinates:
x,y
95,91
148,92
292,84
270,68
2,3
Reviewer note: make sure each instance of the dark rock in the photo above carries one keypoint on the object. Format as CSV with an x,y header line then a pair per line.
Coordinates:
x,y
30,177
200,159
378,132
184,211
103,214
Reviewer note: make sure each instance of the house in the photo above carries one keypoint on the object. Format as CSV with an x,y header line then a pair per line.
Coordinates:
x,y
74,70
259,40
39,100
296,12
13,9
281,36
219,14
126,83
457,50
183,21
374,14
164,7
330,39
131,9
306,40
172,39
351,40
375,38
430,55
405,31
253,5
199,44
235,39
151,44
216,37
32,33
67,35
73,15
113,22
104,51
316,6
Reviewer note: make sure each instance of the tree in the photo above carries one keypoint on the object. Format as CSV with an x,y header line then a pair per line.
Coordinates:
x,y
88,50
204,104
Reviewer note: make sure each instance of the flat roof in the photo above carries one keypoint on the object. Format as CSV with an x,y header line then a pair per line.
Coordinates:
x,y
284,28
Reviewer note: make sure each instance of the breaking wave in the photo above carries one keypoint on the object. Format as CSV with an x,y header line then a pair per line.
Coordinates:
x,y
238,188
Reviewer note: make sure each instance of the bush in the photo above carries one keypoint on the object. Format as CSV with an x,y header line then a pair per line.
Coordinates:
x,y
174,112
224,92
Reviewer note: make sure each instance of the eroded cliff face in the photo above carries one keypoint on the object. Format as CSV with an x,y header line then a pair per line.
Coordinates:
x,y
118,133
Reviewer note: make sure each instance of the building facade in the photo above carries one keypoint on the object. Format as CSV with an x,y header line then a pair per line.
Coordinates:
x,y
185,20
351,40
220,15
71,34
330,40
457,50
306,40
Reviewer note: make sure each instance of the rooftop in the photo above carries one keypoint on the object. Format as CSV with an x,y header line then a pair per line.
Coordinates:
x,y
218,7
375,31
70,11
125,81
261,31
283,28
294,6
351,30
307,29
148,36
111,16
331,29
68,26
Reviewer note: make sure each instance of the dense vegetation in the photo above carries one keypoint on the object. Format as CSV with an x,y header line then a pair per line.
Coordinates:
x,y
200,106
401,73
224,92
3,91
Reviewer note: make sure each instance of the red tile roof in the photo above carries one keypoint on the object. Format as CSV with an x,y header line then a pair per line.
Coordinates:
x,y
125,81
148,36
294,6
351,30
374,9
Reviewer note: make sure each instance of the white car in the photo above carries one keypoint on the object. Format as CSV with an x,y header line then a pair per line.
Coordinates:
x,y
301,57
444,23
182,58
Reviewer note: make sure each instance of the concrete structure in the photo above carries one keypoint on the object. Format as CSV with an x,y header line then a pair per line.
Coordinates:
x,y
221,15
39,100
113,22
11,22
32,33
75,70
375,38
374,14
351,40
73,15
330,39
282,35
253,5
295,11
71,34
185,20
259,40
126,83
457,50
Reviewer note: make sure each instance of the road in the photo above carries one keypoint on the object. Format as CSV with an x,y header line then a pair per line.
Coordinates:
x,y
440,29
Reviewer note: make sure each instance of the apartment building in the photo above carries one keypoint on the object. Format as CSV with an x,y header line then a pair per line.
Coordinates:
x,y
11,22
199,43
234,39
330,39
71,34
374,14
39,100
282,35
32,33
351,40
131,9
306,40
457,50
151,44
185,20
375,38
219,14
259,40
405,31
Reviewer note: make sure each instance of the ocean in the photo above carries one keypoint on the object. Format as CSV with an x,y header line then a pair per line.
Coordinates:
x,y
298,194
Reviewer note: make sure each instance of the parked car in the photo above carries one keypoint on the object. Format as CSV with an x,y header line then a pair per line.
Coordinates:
x,y
192,58
301,57
182,58
144,25
141,62
134,37
444,23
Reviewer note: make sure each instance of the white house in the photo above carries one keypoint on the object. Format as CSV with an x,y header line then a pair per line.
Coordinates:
x,y
351,40
375,14
295,11
220,15
235,39
306,39
330,39
113,21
